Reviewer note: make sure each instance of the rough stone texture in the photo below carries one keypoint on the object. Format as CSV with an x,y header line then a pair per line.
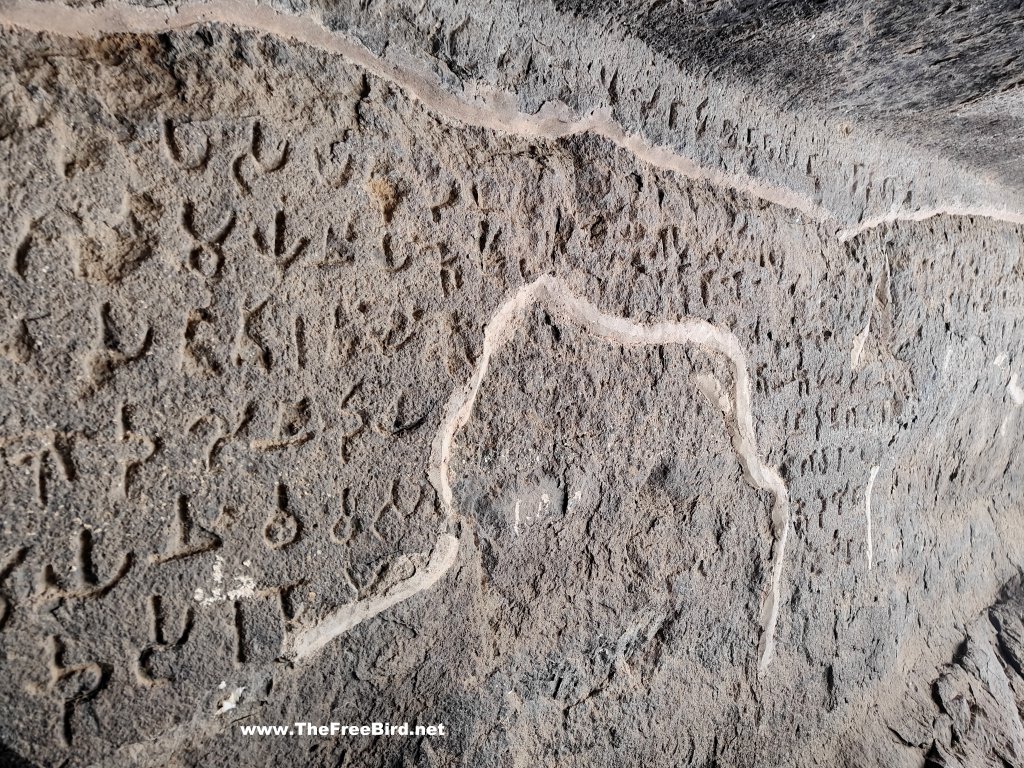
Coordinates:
x,y
246,275
943,74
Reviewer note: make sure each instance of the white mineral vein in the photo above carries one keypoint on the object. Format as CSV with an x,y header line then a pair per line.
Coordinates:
x,y
555,295
495,111
867,511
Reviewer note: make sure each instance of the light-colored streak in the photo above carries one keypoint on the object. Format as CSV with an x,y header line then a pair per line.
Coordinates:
x,y
1015,391
1007,215
858,345
492,110
556,296
308,641
496,112
867,512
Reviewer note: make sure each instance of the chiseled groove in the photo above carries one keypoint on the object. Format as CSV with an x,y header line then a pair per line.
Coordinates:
x,y
496,112
555,295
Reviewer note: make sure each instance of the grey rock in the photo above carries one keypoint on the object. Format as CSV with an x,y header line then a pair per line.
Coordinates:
x,y
472,364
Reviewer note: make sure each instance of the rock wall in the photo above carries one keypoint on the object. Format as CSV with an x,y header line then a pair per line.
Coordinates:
x,y
347,376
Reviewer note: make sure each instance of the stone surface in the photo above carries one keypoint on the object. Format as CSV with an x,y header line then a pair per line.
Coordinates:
x,y
472,364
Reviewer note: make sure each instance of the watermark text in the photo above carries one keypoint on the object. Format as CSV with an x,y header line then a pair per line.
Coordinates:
x,y
340,729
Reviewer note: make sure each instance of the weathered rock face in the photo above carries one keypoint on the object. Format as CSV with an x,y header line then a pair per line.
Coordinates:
x,y
944,74
347,378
